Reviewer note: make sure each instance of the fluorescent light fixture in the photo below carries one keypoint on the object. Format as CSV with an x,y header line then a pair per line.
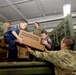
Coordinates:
x,y
66,9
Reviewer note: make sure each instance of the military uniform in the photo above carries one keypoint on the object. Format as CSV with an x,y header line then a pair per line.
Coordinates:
x,y
38,31
63,60
3,29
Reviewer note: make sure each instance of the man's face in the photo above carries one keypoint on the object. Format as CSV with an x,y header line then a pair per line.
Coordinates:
x,y
43,35
7,25
23,25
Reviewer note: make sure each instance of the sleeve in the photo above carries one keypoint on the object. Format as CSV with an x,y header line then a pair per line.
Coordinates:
x,y
14,28
44,30
34,32
60,59
50,56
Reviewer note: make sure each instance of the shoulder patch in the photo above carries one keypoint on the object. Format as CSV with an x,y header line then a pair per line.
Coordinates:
x,y
49,40
15,26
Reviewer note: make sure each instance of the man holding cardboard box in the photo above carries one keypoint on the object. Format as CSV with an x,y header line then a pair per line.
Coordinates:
x,y
9,38
34,41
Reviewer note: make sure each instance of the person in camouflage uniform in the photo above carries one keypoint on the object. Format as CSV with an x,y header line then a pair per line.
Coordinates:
x,y
1,31
37,30
6,26
64,60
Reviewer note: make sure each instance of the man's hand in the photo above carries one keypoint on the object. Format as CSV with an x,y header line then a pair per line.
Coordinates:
x,y
17,36
20,40
28,49
44,42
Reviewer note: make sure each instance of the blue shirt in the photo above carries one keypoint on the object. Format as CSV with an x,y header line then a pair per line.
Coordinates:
x,y
9,32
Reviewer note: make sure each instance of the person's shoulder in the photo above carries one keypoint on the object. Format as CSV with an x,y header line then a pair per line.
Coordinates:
x,y
63,52
73,52
36,30
14,26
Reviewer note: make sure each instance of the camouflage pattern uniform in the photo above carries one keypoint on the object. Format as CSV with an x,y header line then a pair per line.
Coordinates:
x,y
3,29
63,60
38,31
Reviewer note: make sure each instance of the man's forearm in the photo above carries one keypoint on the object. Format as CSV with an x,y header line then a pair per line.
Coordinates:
x,y
15,34
37,54
48,46
50,56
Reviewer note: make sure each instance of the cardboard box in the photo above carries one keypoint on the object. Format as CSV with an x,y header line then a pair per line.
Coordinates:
x,y
31,40
22,52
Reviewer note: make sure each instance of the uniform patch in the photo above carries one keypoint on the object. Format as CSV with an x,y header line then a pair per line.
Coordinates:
x,y
15,26
49,40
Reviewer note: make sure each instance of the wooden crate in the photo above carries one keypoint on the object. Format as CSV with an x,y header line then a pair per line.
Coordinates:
x,y
3,53
22,52
2,43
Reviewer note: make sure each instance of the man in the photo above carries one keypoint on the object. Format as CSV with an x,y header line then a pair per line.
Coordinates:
x,y
37,31
3,28
64,60
6,26
9,38
47,41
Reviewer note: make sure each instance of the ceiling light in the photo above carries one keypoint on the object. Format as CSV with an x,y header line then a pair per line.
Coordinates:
x,y
66,9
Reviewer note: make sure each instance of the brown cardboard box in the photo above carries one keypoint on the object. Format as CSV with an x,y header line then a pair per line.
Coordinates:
x,y
31,40
22,52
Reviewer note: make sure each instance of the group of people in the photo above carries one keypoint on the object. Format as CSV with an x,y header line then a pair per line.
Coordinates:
x,y
12,32
64,60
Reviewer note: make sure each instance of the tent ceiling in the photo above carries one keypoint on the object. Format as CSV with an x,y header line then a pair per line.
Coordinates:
x,y
32,10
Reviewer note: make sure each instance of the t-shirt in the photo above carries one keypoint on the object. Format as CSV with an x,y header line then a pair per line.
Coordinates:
x,y
9,32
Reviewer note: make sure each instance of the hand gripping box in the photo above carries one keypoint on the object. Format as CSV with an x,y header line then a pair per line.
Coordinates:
x,y
31,40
